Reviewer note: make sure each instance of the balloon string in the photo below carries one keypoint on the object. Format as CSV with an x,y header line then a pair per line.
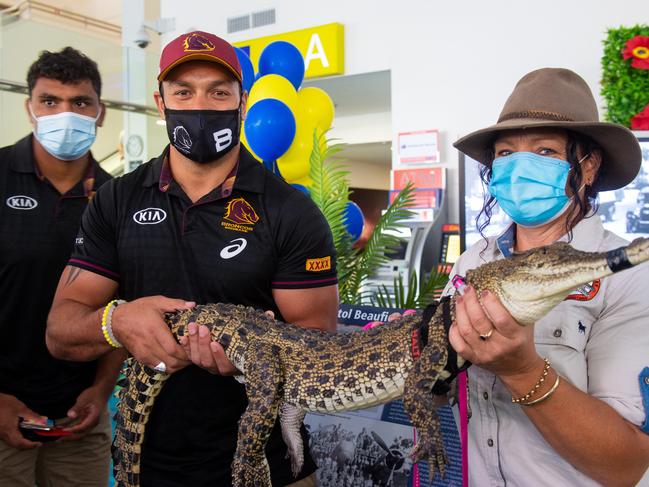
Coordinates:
x,y
273,167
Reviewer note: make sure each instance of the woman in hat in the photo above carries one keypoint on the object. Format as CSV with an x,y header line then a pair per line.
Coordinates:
x,y
585,423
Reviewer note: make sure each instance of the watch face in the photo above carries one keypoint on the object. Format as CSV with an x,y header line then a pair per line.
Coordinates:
x,y
134,146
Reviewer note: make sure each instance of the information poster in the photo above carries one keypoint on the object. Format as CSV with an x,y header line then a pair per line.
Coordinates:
x,y
419,147
371,447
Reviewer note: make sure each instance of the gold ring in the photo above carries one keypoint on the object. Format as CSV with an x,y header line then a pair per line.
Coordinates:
x,y
486,335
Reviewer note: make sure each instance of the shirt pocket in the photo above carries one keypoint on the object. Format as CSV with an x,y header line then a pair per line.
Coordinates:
x,y
562,336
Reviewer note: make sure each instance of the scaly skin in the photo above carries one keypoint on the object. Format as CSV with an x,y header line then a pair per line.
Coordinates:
x,y
290,370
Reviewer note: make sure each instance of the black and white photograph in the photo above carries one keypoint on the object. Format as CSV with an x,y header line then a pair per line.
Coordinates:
x,y
351,451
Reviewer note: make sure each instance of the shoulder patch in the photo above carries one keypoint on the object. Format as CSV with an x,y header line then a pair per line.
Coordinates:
x,y
321,264
585,292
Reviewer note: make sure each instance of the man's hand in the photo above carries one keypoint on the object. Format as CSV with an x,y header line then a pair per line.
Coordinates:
x,y
11,410
84,415
139,325
205,353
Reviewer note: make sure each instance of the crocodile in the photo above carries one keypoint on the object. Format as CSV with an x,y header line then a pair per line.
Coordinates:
x,y
288,370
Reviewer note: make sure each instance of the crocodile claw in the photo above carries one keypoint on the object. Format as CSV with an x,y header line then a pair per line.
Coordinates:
x,y
431,448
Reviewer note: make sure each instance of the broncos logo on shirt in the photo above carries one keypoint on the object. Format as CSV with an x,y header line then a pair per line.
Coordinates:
x,y
239,216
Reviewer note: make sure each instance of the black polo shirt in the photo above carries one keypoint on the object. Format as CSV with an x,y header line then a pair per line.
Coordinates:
x,y
38,226
246,237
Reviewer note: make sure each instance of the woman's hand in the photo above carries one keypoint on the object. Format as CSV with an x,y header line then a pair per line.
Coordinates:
x,y
508,349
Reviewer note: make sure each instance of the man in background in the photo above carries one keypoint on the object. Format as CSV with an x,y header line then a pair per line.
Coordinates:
x,y
46,181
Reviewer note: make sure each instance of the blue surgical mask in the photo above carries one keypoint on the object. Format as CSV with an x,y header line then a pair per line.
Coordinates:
x,y
67,135
530,188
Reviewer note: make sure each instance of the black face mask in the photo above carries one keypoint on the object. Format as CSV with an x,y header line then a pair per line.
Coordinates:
x,y
203,135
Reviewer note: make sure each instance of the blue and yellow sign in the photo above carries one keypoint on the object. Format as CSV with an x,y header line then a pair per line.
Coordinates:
x,y
323,48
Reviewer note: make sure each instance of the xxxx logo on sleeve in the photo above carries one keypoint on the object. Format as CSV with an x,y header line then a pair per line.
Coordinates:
x,y
239,216
321,264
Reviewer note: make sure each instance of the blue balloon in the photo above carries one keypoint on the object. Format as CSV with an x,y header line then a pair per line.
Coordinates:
x,y
302,188
270,128
354,220
283,58
247,71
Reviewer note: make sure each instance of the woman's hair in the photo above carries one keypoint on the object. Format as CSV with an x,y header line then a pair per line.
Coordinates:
x,y
580,206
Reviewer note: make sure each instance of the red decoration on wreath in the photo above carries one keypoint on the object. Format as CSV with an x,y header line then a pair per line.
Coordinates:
x,y
638,49
641,120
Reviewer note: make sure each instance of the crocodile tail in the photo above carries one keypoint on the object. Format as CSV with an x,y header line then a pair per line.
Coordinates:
x,y
135,404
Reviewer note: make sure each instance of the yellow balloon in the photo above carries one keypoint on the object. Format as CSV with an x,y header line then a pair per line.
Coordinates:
x,y
244,141
315,107
296,161
273,86
305,181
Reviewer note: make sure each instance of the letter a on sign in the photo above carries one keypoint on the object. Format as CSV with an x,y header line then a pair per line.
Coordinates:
x,y
316,51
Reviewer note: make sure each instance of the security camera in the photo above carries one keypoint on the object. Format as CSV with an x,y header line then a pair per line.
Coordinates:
x,y
142,39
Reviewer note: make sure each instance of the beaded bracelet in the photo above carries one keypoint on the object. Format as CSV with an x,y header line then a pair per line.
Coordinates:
x,y
107,321
546,368
546,395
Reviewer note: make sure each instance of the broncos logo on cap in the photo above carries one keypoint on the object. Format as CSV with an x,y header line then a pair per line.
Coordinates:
x,y
197,43
182,140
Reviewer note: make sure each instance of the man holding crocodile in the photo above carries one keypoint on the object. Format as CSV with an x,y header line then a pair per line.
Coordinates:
x,y
204,222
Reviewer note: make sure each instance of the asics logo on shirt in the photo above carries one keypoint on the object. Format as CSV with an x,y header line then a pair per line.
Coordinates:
x,y
234,249
149,216
21,202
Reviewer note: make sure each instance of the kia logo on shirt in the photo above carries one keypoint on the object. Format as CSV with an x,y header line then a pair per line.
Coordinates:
x,y
21,202
238,244
149,216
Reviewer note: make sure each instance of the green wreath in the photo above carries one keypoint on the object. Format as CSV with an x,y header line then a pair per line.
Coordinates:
x,y
625,88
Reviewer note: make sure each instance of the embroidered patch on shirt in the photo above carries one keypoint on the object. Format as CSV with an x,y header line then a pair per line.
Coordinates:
x,y
644,390
585,292
321,264
240,216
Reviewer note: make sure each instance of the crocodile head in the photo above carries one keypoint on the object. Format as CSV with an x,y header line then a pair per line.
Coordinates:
x,y
529,284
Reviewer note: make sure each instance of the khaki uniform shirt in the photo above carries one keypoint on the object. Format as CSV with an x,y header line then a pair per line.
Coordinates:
x,y
598,340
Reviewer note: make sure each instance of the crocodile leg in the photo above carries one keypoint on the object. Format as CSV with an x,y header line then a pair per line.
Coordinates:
x,y
290,418
263,387
418,399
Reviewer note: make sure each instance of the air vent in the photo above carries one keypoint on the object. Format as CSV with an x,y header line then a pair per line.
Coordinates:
x,y
265,17
236,24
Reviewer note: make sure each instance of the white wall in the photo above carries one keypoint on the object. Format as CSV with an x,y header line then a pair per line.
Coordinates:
x,y
453,63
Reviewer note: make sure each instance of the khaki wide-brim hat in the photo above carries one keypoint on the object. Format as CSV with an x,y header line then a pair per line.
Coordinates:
x,y
560,98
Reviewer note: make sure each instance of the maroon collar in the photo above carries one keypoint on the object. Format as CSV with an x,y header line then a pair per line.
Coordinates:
x,y
166,178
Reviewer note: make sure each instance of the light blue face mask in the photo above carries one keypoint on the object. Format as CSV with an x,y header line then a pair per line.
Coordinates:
x,y
530,188
67,135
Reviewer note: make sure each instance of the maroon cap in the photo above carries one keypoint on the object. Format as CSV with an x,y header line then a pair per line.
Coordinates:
x,y
199,46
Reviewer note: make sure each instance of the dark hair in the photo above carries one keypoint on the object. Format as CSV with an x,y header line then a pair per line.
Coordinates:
x,y
579,207
68,66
